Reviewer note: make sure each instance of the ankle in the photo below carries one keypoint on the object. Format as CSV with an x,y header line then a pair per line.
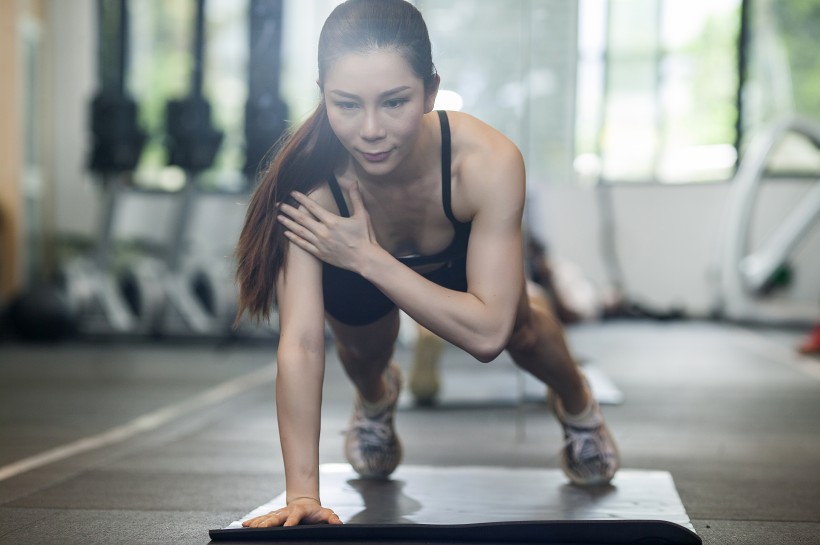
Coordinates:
x,y
373,395
584,413
578,401
384,395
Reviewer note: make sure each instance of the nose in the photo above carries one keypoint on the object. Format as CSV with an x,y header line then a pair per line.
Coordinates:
x,y
371,128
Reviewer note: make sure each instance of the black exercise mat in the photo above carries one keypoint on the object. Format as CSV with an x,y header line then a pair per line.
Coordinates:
x,y
596,532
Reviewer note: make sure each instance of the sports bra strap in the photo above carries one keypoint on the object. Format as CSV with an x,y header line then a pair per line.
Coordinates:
x,y
446,167
337,196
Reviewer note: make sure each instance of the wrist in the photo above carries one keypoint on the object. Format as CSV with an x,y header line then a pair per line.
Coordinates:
x,y
372,262
288,501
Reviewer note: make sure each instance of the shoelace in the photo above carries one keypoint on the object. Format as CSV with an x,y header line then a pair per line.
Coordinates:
x,y
373,432
587,445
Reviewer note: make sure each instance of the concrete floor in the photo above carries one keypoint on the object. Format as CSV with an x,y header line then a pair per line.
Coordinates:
x,y
183,436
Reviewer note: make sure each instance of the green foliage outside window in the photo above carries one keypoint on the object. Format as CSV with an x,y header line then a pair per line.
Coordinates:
x,y
798,24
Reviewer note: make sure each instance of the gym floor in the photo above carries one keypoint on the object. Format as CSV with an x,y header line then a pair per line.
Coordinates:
x,y
138,443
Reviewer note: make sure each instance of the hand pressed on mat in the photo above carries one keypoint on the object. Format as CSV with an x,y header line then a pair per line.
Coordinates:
x,y
299,511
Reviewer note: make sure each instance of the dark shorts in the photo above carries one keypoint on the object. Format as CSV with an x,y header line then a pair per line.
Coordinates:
x,y
352,300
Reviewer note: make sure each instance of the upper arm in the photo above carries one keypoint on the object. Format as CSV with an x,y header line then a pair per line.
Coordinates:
x,y
299,293
495,183
301,304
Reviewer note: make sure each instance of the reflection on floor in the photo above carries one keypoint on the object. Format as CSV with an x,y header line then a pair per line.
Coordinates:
x,y
507,386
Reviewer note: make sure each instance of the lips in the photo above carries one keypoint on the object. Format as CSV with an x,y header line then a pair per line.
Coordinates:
x,y
376,157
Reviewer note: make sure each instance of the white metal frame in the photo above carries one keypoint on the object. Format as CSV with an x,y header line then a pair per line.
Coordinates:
x,y
743,274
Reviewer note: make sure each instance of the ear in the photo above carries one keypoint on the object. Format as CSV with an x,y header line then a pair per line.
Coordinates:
x,y
430,97
321,92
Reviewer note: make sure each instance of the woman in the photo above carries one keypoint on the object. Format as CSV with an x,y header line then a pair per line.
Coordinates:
x,y
378,203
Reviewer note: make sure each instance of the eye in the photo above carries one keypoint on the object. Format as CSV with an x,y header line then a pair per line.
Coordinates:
x,y
346,105
394,103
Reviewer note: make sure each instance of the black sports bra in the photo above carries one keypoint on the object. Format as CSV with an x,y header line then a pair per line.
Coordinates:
x,y
458,246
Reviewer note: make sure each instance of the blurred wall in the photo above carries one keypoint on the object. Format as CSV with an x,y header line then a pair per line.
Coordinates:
x,y
667,238
72,27
24,193
9,151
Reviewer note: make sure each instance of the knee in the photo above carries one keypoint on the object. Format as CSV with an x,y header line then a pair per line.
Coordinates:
x,y
534,327
358,354
524,337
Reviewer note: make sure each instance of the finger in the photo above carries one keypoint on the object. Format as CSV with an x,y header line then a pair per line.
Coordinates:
x,y
356,201
359,209
273,519
334,519
318,211
322,516
297,228
301,215
294,518
270,519
251,522
303,244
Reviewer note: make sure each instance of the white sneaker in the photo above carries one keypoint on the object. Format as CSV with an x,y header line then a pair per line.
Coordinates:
x,y
590,456
371,445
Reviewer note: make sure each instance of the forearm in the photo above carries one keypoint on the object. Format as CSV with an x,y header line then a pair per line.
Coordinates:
x,y
480,326
298,404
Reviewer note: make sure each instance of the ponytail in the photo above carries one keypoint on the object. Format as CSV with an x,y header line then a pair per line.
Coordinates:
x,y
305,159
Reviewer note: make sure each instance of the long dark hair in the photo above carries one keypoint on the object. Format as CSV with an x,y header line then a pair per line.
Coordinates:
x,y
308,155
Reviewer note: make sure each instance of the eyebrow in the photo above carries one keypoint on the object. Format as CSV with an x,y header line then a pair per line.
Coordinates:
x,y
384,94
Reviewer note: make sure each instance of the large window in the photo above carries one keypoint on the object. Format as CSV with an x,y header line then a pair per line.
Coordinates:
x,y
657,89
512,63
783,77
160,70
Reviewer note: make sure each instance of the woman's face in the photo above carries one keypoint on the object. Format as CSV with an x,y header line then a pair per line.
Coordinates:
x,y
375,103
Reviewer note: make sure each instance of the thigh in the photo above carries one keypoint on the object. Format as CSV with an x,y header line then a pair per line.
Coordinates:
x,y
534,318
535,298
372,341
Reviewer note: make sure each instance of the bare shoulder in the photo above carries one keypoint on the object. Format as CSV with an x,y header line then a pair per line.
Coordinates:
x,y
324,196
489,166
476,141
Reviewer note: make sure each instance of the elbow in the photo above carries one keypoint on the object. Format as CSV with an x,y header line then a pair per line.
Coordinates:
x,y
487,348
300,352
488,345
486,356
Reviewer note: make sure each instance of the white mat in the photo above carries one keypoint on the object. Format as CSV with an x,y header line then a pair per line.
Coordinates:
x,y
465,495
